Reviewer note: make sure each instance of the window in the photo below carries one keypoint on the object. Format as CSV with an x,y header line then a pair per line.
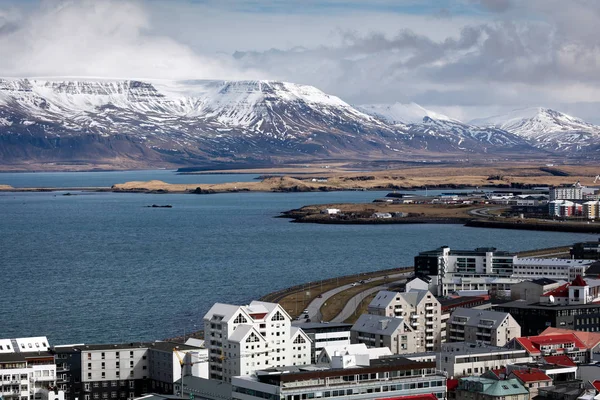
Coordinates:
x,y
240,319
277,317
102,356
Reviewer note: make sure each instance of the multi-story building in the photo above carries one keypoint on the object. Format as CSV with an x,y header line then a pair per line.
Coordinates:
x,y
385,378
27,369
479,388
388,332
591,209
586,250
482,269
555,345
419,308
359,351
482,326
124,371
573,305
325,334
553,268
566,193
464,359
244,339
531,378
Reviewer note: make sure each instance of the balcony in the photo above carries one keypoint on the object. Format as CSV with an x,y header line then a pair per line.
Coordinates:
x,y
63,368
429,322
414,323
430,330
429,308
414,316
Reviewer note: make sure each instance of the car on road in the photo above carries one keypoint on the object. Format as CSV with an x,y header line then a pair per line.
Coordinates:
x,y
354,284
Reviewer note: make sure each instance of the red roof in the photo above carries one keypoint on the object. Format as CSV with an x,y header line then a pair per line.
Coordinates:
x,y
429,396
451,384
499,372
596,385
561,291
579,281
533,343
533,375
562,360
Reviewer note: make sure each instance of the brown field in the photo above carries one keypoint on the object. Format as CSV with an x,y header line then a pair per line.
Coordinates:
x,y
361,308
336,303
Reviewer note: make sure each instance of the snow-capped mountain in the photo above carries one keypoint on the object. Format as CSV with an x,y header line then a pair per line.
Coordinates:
x,y
547,129
402,113
193,122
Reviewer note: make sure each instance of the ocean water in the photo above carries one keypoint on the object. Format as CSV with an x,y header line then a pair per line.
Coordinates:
x,y
103,268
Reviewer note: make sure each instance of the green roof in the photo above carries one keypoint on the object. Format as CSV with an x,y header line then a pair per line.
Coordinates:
x,y
491,387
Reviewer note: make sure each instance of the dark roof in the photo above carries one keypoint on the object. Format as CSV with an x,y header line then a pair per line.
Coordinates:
x,y
461,301
16,357
593,269
543,281
308,327
521,304
164,346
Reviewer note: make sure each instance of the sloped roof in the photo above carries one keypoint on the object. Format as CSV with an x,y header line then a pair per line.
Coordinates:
x,y
562,360
508,387
415,296
533,375
561,291
590,339
596,384
241,332
383,299
475,316
378,324
532,343
579,281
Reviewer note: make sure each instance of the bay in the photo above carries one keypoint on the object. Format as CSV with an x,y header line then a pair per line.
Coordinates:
x,y
103,268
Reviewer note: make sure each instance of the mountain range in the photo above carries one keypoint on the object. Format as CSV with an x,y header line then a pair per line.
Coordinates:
x,y
129,122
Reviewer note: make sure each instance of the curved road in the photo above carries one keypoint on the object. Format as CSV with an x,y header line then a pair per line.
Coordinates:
x,y
315,306
353,303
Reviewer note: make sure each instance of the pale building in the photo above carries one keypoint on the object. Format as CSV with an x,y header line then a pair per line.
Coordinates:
x,y
553,268
329,353
590,209
244,339
27,369
419,308
390,377
325,334
392,333
566,193
471,325
531,290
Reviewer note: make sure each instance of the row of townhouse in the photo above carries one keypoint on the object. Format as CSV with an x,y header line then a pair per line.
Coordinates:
x,y
566,208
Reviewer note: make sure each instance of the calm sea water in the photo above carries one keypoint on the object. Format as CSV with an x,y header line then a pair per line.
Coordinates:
x,y
101,267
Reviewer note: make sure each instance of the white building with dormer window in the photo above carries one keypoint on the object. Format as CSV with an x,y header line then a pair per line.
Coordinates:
x,y
243,339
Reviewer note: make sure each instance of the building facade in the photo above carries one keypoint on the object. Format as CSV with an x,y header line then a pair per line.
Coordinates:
x,y
552,268
27,369
387,378
421,311
482,326
390,332
244,339
566,193
325,334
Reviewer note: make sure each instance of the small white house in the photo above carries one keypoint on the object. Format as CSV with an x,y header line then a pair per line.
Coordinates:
x,y
331,211
381,215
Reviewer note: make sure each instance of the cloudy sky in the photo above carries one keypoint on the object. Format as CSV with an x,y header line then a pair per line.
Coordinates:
x,y
465,58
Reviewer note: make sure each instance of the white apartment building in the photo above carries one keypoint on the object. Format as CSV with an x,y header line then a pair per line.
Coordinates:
x,y
27,369
324,335
463,359
244,339
471,325
421,311
349,378
566,193
553,268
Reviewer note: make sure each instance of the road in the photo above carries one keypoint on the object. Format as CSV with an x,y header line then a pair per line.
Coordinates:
x,y
484,212
315,306
354,302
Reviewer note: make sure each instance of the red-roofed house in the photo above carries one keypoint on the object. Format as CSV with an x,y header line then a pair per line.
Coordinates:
x,y
552,345
590,339
562,360
596,385
496,373
579,291
532,379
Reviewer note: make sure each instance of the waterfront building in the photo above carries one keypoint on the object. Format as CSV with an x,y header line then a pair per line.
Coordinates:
x,y
482,326
482,269
420,310
325,334
125,371
586,250
553,268
27,369
384,378
392,333
590,209
479,388
196,388
566,193
244,339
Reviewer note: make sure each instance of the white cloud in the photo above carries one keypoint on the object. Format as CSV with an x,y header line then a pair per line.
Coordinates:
x,y
108,38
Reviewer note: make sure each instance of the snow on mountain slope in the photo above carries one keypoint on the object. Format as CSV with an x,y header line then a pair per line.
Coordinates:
x,y
402,113
547,129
